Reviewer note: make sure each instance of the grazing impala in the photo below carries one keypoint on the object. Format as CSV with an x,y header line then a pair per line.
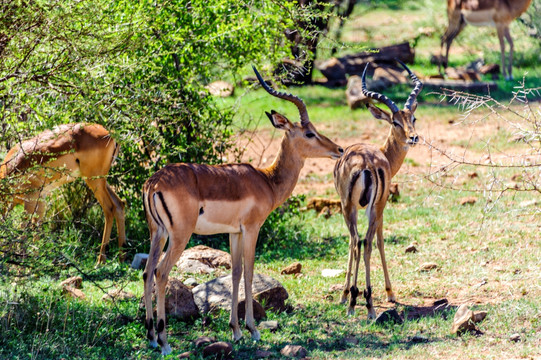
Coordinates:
x,y
61,155
497,13
182,199
362,178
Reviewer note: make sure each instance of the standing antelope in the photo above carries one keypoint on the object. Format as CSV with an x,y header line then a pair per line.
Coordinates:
x,y
497,13
182,199
58,156
362,178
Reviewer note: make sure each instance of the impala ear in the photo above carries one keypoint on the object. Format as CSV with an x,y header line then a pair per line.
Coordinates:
x,y
379,114
279,121
413,107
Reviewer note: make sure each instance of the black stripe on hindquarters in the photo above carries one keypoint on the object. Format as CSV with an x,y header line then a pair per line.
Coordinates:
x,y
381,175
364,199
354,179
160,195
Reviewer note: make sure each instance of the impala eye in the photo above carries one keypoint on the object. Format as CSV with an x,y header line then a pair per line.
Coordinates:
x,y
309,135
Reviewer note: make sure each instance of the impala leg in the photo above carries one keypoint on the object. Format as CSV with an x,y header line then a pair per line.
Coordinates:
x,y
372,226
235,244
120,221
390,295
507,35
156,246
354,254
501,34
177,244
456,24
249,239
99,188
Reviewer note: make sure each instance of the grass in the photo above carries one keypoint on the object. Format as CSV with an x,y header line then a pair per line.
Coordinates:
x,y
488,253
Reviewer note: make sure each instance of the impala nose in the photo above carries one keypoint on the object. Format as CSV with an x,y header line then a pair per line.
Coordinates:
x,y
413,139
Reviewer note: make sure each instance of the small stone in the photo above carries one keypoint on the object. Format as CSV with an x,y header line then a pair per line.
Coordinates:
x,y
219,350
271,325
515,337
389,316
463,321
203,340
74,281
118,295
331,272
294,268
139,261
262,354
473,175
351,340
336,287
296,351
220,88
186,355
428,266
411,249
419,339
470,200
191,282
479,316
440,302
73,292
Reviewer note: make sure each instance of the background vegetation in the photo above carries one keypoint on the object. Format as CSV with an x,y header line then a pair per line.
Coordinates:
x,y
140,70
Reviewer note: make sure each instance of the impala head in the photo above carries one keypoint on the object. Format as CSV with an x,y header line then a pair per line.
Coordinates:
x,y
303,136
402,121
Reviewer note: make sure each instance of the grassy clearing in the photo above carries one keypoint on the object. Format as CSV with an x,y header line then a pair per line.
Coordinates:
x,y
488,253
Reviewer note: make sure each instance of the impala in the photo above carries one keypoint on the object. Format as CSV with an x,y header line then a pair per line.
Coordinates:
x,y
182,199
362,178
58,156
497,13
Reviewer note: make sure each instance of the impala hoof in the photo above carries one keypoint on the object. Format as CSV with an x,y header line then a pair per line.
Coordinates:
x,y
256,336
237,335
166,350
391,298
371,314
351,311
153,344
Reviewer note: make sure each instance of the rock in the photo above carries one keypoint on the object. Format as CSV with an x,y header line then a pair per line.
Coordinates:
x,y
205,255
259,312
296,351
469,200
354,95
462,74
331,272
440,302
73,292
389,316
419,339
351,340
490,69
191,282
203,340
74,282
411,249
118,295
262,354
273,299
292,269
428,266
320,204
515,337
191,266
220,88
463,321
271,325
139,261
479,316
394,192
219,350
217,292
179,301
334,71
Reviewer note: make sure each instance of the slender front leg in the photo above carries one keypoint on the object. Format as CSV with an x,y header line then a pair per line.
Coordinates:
x,y
249,239
99,188
350,217
388,288
511,49
501,32
235,244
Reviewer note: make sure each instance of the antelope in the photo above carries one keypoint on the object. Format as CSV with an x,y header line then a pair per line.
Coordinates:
x,y
497,13
181,199
362,178
58,156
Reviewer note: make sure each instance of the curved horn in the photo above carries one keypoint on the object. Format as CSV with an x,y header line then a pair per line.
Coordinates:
x,y
416,90
377,96
289,97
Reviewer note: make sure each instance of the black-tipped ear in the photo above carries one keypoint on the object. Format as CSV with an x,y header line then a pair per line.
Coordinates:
x,y
279,121
379,113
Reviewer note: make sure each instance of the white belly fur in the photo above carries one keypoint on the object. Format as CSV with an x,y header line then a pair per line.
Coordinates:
x,y
222,216
479,18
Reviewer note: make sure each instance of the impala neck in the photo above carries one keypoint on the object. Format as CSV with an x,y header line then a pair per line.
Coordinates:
x,y
395,151
284,172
